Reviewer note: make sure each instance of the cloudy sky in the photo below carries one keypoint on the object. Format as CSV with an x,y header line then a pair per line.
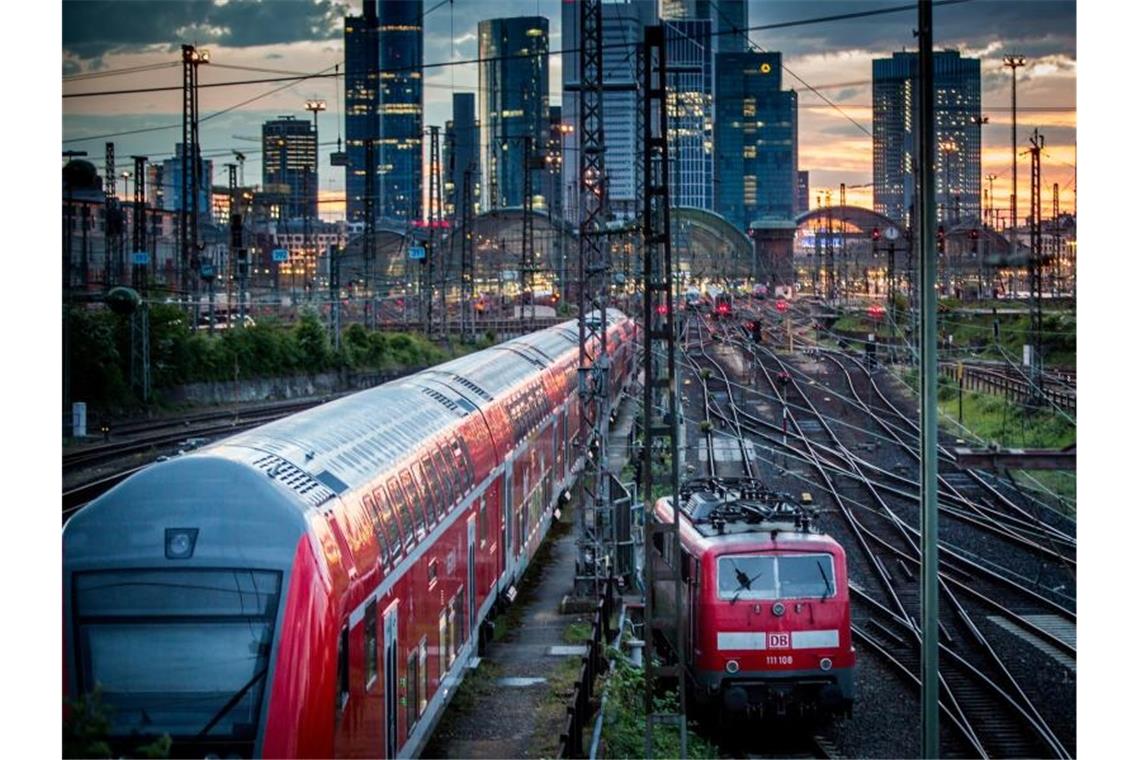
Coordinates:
x,y
251,40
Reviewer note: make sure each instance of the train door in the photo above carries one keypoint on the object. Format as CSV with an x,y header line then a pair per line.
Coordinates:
x,y
472,588
391,682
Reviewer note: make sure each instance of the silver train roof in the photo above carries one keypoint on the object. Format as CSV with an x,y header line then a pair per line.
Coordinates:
x,y
341,444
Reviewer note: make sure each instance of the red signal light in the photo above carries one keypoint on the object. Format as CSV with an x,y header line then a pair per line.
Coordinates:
x,y
875,233
781,306
875,310
662,309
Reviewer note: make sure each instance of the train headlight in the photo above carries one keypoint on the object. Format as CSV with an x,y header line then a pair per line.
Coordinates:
x,y
825,663
180,542
778,609
732,666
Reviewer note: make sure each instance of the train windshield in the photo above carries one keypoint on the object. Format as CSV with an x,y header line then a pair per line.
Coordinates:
x,y
183,652
775,576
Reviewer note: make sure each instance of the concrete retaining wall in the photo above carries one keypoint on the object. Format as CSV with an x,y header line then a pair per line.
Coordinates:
x,y
279,388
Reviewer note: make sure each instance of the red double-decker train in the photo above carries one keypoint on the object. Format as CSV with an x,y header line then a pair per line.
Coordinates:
x,y
765,607
315,587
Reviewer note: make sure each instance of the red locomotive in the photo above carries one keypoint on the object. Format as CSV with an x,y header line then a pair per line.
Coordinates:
x,y
315,587
765,602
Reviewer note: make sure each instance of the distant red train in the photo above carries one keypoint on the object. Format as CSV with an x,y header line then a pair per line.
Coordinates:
x,y
765,605
315,587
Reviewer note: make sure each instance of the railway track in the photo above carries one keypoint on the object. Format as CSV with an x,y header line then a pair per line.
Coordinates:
x,y
983,701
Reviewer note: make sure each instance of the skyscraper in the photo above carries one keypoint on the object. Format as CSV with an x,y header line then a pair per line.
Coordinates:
x,y
756,139
689,81
514,103
361,103
803,192
168,194
401,109
729,20
461,148
289,166
957,135
623,27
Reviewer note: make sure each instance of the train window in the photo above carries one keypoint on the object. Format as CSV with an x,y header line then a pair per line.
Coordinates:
x,y
468,462
381,539
483,526
685,560
459,605
428,491
400,506
442,643
220,622
370,662
463,459
415,499
747,577
451,633
413,703
388,524
805,575
436,488
342,671
432,573
423,676
441,470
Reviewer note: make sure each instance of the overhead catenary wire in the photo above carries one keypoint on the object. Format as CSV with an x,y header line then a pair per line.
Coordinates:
x,y
518,56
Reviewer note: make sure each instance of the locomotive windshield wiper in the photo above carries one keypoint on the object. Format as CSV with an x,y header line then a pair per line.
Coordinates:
x,y
229,705
826,580
745,583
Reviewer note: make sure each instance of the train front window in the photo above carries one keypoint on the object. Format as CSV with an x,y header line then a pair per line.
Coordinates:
x,y
182,652
807,575
775,576
747,577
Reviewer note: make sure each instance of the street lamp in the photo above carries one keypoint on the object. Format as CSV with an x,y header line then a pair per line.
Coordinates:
x,y
1014,62
979,121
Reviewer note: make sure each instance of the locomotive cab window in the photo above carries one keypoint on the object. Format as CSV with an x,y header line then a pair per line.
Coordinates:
x,y
190,646
775,576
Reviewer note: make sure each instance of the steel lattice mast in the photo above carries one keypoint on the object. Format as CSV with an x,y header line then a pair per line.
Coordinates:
x,y
659,399
1036,264
595,544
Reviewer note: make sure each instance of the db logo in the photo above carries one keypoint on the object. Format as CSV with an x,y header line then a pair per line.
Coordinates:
x,y
779,640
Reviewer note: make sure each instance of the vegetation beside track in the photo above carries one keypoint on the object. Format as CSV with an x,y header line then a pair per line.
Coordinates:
x,y
623,730
100,349
993,419
975,332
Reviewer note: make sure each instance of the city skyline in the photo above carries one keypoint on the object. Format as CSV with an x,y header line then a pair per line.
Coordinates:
x,y
833,57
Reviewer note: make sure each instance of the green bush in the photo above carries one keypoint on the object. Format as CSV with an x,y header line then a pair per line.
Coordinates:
x,y
99,351
623,731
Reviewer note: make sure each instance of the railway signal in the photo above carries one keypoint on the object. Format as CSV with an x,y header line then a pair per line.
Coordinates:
x,y
781,306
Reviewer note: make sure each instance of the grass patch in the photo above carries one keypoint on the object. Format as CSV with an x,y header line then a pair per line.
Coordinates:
x,y
550,715
478,684
993,419
578,632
